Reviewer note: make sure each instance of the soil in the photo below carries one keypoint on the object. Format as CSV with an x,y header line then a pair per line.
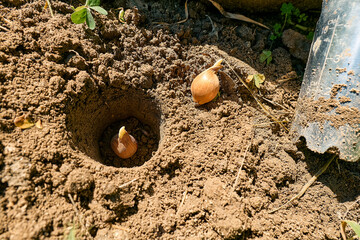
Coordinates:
x,y
213,171
318,111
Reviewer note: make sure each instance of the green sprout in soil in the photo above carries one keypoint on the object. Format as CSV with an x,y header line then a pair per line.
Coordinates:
x,y
266,55
122,15
291,17
254,81
72,233
354,225
83,14
294,17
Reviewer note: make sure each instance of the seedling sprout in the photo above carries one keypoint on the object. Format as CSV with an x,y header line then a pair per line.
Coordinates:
x,y
293,17
83,14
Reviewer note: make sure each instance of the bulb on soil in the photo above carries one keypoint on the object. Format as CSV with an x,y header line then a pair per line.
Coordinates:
x,y
206,85
123,144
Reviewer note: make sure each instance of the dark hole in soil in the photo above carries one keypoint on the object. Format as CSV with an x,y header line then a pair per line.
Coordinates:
x,y
146,138
94,121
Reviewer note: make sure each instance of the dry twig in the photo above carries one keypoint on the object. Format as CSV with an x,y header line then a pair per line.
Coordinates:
x,y
119,227
257,99
182,202
49,5
242,164
267,123
83,228
181,21
127,183
307,185
277,104
4,29
235,16
286,79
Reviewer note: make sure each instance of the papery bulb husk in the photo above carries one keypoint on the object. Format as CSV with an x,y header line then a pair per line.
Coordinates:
x,y
206,85
124,146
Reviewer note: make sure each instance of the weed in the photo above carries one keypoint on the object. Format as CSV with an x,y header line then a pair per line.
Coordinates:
x,y
83,14
310,35
293,17
122,15
254,81
276,32
266,55
354,225
72,233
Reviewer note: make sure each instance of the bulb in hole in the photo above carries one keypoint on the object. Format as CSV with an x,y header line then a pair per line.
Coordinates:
x,y
123,144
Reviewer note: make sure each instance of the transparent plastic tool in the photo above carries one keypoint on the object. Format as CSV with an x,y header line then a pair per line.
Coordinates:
x,y
328,110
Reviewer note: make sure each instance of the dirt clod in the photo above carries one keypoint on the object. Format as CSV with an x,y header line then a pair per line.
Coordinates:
x,y
80,182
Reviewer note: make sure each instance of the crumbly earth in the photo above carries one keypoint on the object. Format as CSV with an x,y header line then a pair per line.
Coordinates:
x,y
203,172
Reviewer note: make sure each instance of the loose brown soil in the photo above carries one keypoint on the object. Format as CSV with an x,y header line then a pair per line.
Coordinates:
x,y
202,172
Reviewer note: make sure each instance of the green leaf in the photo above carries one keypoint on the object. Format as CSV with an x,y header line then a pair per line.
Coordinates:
x,y
259,79
277,30
79,8
268,60
277,27
72,233
354,226
99,10
302,17
263,57
266,56
286,8
297,12
273,37
122,16
310,35
90,20
94,3
79,16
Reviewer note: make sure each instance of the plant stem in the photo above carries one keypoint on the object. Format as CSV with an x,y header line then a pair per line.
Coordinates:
x,y
51,11
283,26
306,29
257,99
307,185
4,28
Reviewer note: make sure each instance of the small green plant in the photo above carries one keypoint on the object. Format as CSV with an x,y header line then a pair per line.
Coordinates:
x,y
276,32
354,225
71,234
83,14
293,17
122,15
266,55
310,35
254,81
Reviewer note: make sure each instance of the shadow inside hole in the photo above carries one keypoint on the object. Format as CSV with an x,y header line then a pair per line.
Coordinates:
x,y
147,143
95,117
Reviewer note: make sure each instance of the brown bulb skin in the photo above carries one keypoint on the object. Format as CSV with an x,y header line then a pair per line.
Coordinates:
x,y
206,85
124,147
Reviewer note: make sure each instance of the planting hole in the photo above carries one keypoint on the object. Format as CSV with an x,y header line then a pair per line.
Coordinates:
x,y
94,121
